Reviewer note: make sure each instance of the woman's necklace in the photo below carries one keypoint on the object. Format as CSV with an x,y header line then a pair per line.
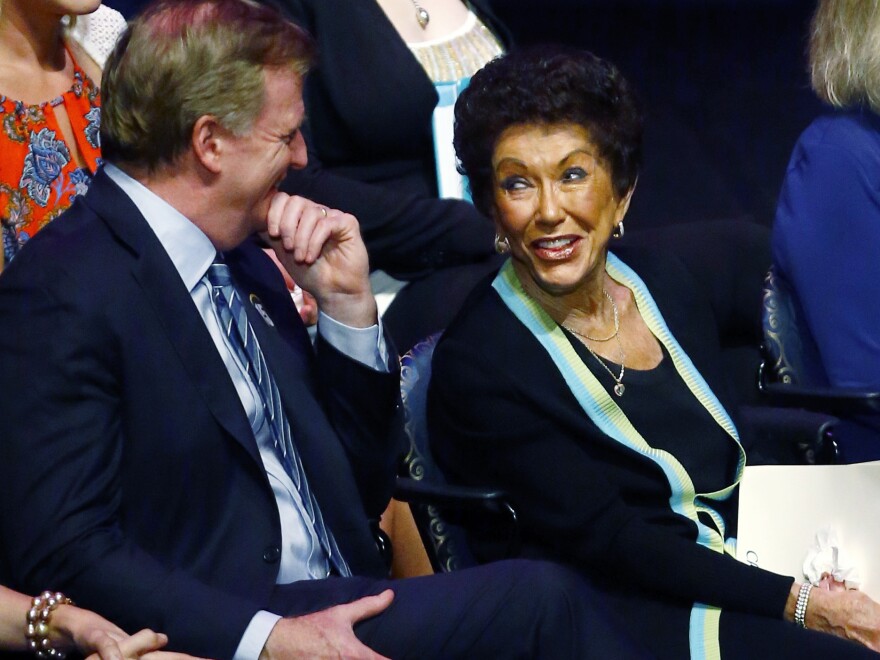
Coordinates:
x,y
619,387
422,15
616,322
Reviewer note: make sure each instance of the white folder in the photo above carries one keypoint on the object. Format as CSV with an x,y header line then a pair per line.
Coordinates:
x,y
782,507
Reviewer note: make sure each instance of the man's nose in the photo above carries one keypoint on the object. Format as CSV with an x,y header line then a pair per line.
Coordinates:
x,y
299,156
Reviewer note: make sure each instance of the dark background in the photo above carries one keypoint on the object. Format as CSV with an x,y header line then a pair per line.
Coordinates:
x,y
723,82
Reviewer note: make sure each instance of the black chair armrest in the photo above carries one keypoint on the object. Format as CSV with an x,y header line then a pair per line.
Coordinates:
x,y
446,496
789,436
424,492
839,402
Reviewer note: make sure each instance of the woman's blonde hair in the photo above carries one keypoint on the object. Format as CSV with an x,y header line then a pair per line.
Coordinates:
x,y
845,52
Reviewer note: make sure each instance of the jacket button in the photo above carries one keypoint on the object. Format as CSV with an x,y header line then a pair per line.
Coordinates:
x,y
271,554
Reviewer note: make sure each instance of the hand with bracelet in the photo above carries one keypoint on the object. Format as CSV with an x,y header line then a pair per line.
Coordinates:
x,y
846,613
66,627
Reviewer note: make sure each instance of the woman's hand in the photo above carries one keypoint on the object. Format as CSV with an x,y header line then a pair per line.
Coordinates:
x,y
75,628
846,613
108,647
140,646
828,583
92,634
849,614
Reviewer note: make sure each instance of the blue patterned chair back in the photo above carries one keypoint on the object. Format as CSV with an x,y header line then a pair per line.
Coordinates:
x,y
446,543
790,353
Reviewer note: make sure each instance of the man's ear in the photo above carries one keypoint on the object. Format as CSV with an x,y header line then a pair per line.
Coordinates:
x,y
208,141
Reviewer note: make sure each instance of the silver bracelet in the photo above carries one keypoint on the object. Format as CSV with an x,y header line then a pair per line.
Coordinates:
x,y
800,609
37,627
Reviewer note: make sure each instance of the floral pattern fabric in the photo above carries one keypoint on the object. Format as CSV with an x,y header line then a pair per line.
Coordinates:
x,y
39,177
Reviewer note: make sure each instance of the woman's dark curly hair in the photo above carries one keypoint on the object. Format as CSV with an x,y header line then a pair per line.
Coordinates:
x,y
548,85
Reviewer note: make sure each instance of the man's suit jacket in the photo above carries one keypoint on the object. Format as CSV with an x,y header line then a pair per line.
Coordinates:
x,y
132,480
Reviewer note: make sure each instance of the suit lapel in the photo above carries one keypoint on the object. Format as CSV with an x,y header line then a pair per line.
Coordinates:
x,y
162,287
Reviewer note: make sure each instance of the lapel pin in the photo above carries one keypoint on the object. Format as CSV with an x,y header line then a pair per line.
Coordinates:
x,y
258,305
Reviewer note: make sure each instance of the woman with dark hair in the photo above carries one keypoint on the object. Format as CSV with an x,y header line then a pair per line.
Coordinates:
x,y
584,383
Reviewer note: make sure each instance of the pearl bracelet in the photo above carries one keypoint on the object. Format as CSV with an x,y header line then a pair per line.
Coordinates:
x,y
800,609
37,628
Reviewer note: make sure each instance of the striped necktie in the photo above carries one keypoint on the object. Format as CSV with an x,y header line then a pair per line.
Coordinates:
x,y
233,320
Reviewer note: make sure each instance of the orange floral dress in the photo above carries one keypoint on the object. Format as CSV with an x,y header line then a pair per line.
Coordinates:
x,y
38,175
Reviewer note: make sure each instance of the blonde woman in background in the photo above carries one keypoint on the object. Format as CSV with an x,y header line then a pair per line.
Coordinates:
x,y
52,52
826,235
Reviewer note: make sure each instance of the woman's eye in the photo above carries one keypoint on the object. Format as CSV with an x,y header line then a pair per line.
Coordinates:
x,y
514,183
574,174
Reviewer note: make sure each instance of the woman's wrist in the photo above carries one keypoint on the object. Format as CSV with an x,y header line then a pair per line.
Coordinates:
x,y
828,611
791,601
801,605
64,626
46,626
803,601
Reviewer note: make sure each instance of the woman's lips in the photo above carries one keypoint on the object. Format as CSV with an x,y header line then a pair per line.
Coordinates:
x,y
555,248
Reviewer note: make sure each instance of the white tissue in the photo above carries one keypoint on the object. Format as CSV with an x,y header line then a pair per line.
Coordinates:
x,y
826,556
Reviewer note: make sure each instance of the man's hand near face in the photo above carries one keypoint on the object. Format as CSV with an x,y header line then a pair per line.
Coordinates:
x,y
323,251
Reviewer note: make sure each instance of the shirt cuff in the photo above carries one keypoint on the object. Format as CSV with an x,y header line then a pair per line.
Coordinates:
x,y
365,345
255,636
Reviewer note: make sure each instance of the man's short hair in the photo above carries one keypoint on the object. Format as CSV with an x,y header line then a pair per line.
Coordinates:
x,y
183,59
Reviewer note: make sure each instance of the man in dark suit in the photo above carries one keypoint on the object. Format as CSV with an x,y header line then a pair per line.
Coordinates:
x,y
174,453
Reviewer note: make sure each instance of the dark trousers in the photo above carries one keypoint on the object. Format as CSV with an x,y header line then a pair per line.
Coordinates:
x,y
509,609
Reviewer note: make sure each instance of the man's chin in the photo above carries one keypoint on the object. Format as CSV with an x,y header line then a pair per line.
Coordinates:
x,y
259,223
258,218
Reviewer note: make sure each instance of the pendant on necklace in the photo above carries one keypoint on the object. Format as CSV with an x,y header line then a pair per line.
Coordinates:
x,y
619,389
423,17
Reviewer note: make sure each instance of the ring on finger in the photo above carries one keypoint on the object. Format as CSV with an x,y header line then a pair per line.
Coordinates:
x,y
323,211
